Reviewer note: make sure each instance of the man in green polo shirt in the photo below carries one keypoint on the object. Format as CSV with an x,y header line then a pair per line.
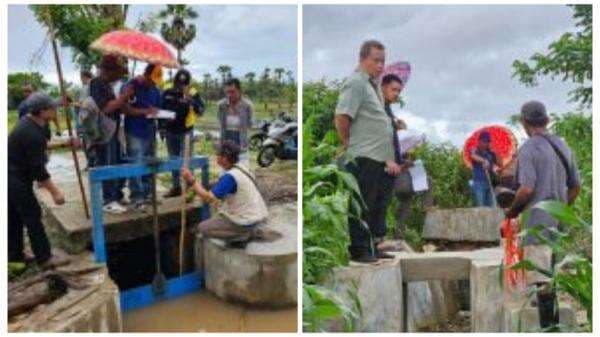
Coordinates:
x,y
367,133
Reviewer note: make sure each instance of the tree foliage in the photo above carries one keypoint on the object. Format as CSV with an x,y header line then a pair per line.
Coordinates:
x,y
77,26
174,28
16,82
568,58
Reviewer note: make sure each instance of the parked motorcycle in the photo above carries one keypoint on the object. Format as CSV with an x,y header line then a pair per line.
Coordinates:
x,y
282,143
257,139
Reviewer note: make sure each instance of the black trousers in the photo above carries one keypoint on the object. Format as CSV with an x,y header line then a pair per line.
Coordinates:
x,y
376,188
24,211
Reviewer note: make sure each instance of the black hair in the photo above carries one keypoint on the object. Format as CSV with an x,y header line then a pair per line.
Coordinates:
x,y
149,69
235,82
183,77
389,78
86,74
229,150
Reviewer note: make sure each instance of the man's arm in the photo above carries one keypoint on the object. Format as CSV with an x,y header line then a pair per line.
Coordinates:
x,y
342,125
56,194
572,194
522,198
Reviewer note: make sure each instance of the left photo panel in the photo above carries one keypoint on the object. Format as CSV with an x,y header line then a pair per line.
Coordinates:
x,y
152,168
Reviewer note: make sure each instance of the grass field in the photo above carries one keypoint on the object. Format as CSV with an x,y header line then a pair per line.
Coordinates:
x,y
207,122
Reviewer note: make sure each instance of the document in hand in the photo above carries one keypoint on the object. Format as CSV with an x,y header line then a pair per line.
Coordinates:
x,y
419,176
165,114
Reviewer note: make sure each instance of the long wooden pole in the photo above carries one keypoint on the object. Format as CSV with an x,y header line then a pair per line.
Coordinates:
x,y
186,161
63,93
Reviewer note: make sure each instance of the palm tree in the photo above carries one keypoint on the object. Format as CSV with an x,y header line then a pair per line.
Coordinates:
x,y
176,31
225,72
250,77
206,77
290,76
279,74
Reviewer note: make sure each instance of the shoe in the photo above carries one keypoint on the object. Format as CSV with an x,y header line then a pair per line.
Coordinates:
x,y
364,258
114,207
139,206
173,192
55,261
384,255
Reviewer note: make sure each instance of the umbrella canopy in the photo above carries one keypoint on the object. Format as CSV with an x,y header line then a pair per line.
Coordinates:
x,y
136,45
400,69
503,143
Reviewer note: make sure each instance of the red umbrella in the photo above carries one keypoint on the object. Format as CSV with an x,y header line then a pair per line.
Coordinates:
x,y
136,45
401,69
503,143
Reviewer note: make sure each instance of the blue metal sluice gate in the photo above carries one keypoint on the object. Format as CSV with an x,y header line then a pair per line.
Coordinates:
x,y
144,295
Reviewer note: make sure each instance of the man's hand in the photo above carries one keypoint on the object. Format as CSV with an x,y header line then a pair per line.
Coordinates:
x,y
392,168
128,91
151,112
58,197
75,142
187,175
510,213
407,164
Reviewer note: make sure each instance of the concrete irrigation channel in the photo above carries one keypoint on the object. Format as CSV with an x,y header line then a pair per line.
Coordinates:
x,y
454,285
252,289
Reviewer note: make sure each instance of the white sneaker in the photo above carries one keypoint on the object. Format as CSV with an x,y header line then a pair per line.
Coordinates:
x,y
114,208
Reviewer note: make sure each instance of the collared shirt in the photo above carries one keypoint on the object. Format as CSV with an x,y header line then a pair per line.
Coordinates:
x,y
361,99
144,97
240,115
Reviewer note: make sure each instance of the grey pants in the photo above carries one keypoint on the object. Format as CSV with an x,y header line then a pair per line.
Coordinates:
x,y
403,190
220,228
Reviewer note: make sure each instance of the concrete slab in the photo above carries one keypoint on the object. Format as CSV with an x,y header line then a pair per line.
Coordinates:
x,y
517,319
95,308
478,224
264,273
73,232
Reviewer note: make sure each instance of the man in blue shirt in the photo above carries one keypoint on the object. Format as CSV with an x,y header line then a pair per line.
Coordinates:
x,y
483,159
140,128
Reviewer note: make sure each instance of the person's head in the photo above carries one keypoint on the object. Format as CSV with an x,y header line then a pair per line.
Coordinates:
x,y
153,75
372,57
85,76
391,86
112,67
27,89
41,106
228,154
183,78
484,141
233,89
534,117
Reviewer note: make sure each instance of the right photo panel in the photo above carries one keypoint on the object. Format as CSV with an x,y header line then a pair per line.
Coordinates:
x,y
447,168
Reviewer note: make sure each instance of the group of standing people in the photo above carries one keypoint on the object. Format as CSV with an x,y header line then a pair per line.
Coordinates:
x,y
116,120
545,168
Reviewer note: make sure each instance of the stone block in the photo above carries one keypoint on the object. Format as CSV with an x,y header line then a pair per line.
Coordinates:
x,y
463,224
517,319
486,296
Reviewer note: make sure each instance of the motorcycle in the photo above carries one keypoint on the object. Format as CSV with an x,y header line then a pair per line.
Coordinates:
x,y
257,139
282,143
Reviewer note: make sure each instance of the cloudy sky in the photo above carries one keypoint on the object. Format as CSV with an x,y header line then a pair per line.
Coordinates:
x,y
248,38
461,57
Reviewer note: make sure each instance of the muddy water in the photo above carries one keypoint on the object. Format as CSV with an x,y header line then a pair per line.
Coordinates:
x,y
203,312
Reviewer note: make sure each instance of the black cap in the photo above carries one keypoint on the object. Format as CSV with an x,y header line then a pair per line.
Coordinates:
x,y
183,77
534,113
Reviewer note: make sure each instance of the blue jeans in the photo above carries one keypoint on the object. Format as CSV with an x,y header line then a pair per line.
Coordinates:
x,y
106,155
175,145
138,150
482,194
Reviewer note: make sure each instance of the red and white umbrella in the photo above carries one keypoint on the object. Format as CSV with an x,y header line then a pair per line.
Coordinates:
x,y
401,69
503,143
136,45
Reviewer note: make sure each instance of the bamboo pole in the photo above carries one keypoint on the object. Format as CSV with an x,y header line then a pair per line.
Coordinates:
x,y
186,161
63,93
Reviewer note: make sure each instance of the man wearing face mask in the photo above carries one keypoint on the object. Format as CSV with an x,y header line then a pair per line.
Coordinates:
x,y
366,133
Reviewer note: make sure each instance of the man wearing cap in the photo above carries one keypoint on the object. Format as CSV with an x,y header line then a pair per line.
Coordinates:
x,y
27,146
187,105
140,128
367,134
483,160
236,195
546,170
111,69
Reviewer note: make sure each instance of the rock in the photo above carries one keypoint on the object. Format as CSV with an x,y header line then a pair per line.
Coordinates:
x,y
463,224
264,273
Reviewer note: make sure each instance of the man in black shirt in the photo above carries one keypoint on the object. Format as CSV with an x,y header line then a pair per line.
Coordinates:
x,y
27,145
111,70
186,107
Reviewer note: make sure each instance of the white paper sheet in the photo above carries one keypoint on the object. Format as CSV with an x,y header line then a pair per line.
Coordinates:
x,y
165,114
409,139
419,176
